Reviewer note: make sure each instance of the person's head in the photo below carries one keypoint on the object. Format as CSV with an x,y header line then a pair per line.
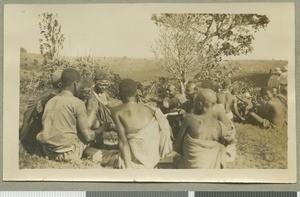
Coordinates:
x,y
101,81
226,84
70,80
218,88
276,71
190,89
204,100
162,80
127,90
206,83
234,91
171,90
56,79
266,93
84,93
285,68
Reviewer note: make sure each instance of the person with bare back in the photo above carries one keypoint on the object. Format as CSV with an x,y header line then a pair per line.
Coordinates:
x,y
202,138
144,132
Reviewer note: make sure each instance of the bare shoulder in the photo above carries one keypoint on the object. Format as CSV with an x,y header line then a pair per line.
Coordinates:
x,y
117,110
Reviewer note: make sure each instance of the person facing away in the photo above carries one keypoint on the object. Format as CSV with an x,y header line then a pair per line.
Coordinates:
x,y
64,113
144,133
32,121
201,137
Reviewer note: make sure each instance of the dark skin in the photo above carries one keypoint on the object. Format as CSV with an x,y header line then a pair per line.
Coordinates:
x,y
219,114
273,111
129,116
203,125
229,102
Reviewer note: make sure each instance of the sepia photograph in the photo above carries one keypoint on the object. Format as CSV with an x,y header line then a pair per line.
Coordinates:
x,y
150,92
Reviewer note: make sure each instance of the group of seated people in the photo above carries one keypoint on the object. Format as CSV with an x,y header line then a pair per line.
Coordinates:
x,y
66,124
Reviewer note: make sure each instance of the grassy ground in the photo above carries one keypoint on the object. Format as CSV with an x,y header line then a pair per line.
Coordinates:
x,y
35,161
260,148
256,148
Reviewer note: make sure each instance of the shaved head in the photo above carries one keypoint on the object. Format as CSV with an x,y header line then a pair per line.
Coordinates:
x,y
204,98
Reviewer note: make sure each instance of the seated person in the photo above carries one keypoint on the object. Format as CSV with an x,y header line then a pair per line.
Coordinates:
x,y
64,113
190,91
173,99
162,86
274,113
99,106
99,99
229,102
202,138
144,132
32,122
245,103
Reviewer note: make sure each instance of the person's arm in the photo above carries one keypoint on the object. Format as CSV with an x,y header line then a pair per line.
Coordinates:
x,y
84,124
179,138
109,104
123,142
235,109
223,118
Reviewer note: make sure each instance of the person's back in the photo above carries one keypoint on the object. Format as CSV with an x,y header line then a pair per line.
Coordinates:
x,y
219,114
133,116
276,111
204,128
143,138
65,123
59,120
200,136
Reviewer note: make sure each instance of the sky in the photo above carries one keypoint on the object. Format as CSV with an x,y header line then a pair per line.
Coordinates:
x,y
113,30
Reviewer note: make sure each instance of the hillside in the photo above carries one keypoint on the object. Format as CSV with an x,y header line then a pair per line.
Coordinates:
x,y
145,70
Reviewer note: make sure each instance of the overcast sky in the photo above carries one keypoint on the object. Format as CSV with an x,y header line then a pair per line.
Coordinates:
x,y
127,30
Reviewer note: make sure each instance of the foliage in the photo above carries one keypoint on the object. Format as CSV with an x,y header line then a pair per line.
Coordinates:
x,y
52,37
195,43
39,80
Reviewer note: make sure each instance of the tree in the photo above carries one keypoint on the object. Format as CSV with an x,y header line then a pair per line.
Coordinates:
x,y
52,38
191,44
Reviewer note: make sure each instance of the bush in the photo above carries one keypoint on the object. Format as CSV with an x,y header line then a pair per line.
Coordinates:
x,y
36,81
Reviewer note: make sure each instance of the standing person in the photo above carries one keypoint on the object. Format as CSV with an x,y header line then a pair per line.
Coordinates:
x,y
32,121
144,132
202,137
283,79
273,81
64,113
